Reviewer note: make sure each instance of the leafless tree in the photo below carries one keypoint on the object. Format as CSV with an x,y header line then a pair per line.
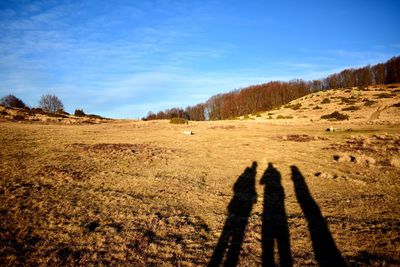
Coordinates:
x,y
51,103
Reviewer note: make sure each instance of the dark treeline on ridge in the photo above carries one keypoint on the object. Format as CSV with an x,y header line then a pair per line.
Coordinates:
x,y
273,94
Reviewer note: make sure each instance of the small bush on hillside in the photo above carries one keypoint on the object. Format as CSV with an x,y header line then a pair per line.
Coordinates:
x,y
178,121
11,101
317,107
350,100
294,107
335,116
368,102
284,117
326,101
79,113
384,95
351,108
18,118
397,105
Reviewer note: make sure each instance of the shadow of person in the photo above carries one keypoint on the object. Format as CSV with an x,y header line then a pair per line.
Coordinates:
x,y
239,210
274,220
325,250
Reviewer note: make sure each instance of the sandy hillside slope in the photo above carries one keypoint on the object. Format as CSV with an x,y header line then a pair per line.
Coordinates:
x,y
243,192
372,105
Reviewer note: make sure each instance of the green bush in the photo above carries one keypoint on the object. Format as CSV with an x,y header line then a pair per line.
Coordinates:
x,y
335,116
79,113
178,121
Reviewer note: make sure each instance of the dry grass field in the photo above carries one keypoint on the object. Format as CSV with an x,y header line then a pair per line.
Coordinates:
x,y
243,192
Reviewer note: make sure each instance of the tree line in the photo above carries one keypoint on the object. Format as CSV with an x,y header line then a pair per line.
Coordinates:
x,y
273,94
48,103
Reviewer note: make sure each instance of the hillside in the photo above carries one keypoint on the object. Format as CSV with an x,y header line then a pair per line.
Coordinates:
x,y
370,105
38,115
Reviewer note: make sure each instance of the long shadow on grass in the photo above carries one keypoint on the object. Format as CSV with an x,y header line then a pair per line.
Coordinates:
x,y
274,221
325,250
239,209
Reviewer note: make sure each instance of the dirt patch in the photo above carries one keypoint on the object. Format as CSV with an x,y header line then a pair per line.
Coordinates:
x,y
300,138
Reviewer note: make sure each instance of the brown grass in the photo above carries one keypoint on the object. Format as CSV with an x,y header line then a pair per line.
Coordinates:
x,y
142,193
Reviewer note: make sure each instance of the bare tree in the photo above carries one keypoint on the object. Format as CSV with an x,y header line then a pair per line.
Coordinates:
x,y
12,101
51,103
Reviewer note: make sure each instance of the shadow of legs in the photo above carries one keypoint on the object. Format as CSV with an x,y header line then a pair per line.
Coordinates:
x,y
239,210
326,252
274,224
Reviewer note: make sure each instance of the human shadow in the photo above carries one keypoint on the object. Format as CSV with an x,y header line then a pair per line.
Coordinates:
x,y
274,220
239,210
325,250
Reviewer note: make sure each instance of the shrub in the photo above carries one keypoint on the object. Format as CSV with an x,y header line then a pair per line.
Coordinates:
x,y
351,108
178,121
79,113
335,116
294,107
18,118
384,95
284,117
368,102
350,100
11,101
50,103
396,105
317,107
326,101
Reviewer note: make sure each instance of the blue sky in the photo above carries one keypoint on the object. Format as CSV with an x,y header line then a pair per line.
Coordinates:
x,y
123,58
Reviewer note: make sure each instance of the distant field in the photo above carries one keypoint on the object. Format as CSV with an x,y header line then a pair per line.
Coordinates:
x,y
143,193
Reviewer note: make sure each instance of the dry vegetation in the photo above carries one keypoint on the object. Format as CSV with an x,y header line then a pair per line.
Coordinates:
x,y
144,194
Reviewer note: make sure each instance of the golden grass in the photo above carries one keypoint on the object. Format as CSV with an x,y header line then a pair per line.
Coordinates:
x,y
144,194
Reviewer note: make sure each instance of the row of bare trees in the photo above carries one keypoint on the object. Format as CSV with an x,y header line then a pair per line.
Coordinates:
x,y
273,94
